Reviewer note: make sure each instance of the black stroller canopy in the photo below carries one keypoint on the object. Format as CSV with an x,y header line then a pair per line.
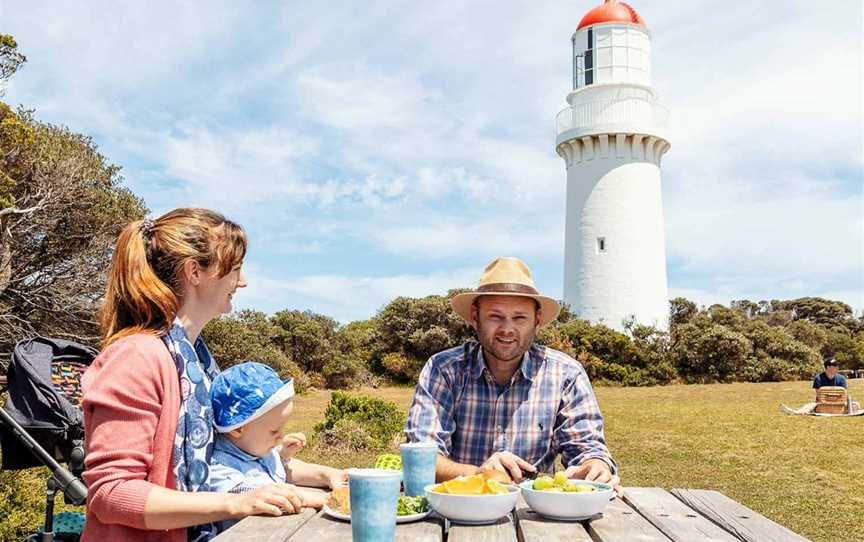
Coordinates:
x,y
44,398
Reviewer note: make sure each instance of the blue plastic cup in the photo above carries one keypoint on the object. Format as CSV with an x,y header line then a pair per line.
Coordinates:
x,y
374,496
418,466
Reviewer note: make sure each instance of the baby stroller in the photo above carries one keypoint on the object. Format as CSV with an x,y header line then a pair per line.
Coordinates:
x,y
42,423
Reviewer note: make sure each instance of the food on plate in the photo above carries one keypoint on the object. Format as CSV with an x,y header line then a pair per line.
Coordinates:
x,y
408,506
340,501
389,462
492,474
475,484
560,484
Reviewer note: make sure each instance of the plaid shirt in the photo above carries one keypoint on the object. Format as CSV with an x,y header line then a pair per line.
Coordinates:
x,y
547,408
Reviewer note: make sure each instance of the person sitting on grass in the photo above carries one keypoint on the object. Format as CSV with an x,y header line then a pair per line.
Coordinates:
x,y
830,377
250,408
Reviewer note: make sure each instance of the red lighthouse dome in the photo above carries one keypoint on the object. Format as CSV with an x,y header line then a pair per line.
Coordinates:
x,y
612,11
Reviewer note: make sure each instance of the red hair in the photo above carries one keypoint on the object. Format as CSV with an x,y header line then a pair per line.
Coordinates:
x,y
144,286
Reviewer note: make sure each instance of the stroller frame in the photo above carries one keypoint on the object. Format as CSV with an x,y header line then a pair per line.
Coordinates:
x,y
61,479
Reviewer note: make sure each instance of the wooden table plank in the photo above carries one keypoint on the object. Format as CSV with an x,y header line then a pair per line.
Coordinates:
x,y
535,528
677,520
266,528
501,531
620,523
735,517
323,528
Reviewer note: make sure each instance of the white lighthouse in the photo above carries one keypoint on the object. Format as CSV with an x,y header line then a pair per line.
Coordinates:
x,y
612,138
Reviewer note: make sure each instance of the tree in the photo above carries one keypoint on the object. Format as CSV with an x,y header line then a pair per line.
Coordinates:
x,y
681,310
708,352
820,311
777,355
10,59
416,329
62,205
307,338
249,336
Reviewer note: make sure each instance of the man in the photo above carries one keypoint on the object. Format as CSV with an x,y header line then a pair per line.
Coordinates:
x,y
829,376
507,403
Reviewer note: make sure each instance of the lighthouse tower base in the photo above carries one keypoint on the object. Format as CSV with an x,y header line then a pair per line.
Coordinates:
x,y
615,266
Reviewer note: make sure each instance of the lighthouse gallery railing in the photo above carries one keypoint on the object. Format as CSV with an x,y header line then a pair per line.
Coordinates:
x,y
631,111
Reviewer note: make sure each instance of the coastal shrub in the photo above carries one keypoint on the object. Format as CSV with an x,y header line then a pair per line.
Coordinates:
x,y
381,420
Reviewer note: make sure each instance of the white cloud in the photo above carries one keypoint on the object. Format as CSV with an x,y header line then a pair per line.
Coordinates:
x,y
345,297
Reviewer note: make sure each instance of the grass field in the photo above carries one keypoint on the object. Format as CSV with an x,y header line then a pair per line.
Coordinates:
x,y
806,473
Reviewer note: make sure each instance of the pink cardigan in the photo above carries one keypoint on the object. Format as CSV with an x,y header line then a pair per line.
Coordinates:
x,y
131,402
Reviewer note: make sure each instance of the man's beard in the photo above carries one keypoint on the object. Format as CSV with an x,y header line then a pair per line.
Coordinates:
x,y
490,346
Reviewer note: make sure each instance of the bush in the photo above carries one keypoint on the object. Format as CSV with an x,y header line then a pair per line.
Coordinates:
x,y
346,437
708,352
344,372
381,420
401,367
777,355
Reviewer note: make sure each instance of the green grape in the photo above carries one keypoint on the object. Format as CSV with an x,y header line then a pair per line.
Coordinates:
x,y
560,480
543,483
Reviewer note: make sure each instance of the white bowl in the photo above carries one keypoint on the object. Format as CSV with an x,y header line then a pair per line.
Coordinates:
x,y
568,506
473,509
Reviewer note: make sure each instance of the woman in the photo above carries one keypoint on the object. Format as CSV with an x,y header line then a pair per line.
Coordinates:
x,y
147,415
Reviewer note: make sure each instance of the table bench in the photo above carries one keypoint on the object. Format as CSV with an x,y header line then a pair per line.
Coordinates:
x,y
646,514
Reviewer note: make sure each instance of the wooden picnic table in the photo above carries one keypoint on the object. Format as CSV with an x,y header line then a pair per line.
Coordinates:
x,y
646,514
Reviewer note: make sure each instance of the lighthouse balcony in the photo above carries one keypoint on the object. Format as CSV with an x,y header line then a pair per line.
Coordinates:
x,y
628,115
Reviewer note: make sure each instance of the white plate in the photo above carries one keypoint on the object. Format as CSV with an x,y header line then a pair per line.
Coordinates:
x,y
399,519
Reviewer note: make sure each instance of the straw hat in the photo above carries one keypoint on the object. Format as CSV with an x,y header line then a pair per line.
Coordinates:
x,y
507,277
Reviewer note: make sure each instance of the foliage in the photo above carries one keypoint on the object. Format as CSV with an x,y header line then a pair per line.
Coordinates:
x,y
416,329
681,310
249,336
62,205
307,338
10,59
709,352
381,422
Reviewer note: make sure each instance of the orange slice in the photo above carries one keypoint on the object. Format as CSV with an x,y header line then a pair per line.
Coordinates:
x,y
496,487
467,485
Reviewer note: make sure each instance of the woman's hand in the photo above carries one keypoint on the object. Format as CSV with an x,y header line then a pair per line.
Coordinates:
x,y
291,444
270,500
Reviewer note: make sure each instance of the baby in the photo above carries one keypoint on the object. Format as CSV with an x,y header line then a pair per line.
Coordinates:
x,y
250,407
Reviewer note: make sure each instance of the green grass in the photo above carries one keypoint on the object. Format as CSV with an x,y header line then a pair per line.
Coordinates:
x,y
803,472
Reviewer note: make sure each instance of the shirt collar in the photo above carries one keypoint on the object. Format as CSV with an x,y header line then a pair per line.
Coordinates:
x,y
224,444
531,361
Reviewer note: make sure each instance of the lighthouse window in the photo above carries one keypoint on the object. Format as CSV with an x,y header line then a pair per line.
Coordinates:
x,y
601,245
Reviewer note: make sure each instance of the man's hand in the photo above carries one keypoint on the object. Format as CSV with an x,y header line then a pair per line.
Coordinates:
x,y
595,470
509,463
291,444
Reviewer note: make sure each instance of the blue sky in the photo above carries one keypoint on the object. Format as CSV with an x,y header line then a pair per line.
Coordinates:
x,y
376,149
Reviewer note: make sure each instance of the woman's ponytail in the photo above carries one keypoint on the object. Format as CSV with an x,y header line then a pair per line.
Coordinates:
x,y
136,300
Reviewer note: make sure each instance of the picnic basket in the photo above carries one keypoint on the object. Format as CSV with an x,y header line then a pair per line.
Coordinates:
x,y
831,400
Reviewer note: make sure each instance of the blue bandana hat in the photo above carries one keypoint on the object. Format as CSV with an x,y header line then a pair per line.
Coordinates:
x,y
193,442
245,392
